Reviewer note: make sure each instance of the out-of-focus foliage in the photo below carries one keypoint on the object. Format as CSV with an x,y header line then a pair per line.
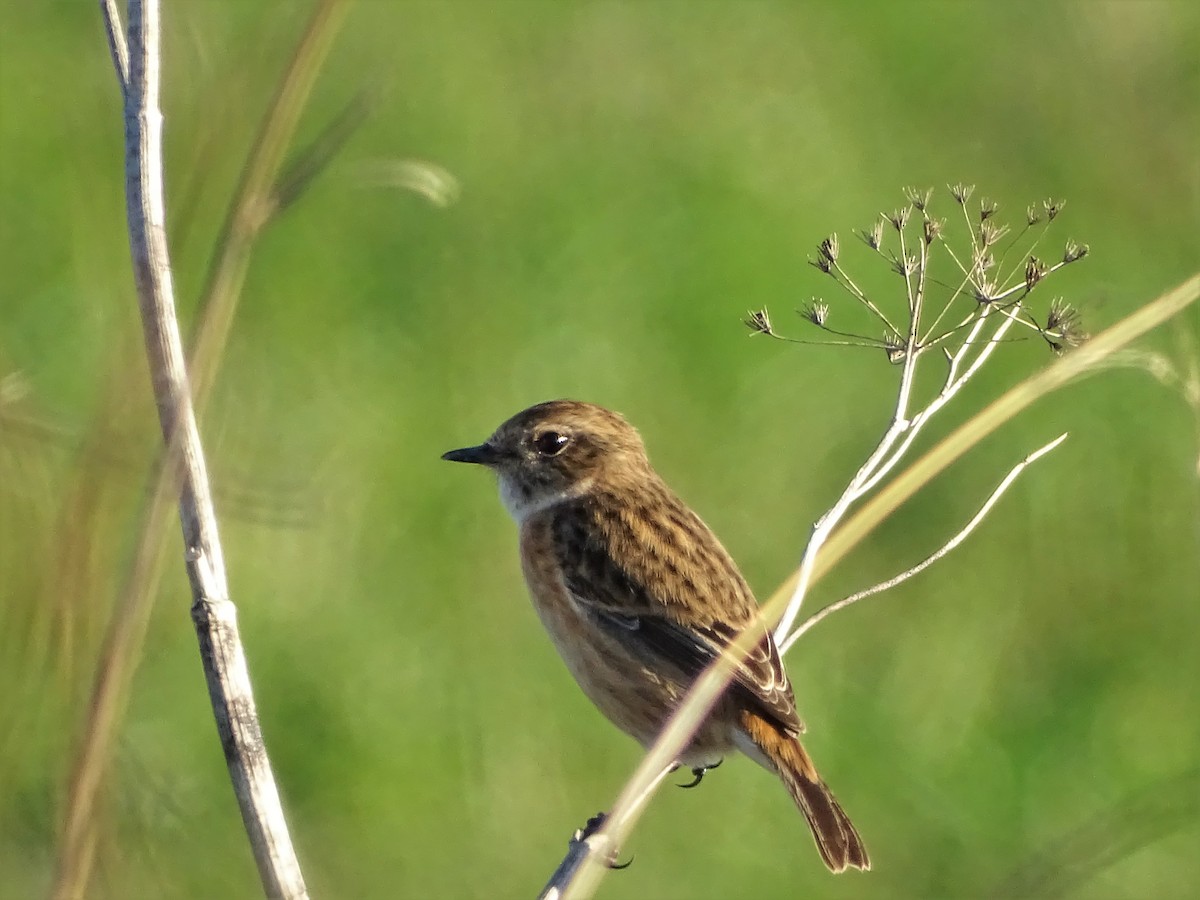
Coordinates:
x,y
631,178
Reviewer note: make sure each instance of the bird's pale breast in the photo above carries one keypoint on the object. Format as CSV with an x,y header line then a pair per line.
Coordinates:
x,y
636,698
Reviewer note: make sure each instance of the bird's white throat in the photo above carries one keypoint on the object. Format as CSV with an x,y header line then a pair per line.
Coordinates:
x,y
522,503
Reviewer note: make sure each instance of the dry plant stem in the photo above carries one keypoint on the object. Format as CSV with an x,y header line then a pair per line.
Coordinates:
x,y
116,42
589,868
855,291
950,387
1078,362
213,614
596,846
924,564
122,641
255,203
704,693
127,626
889,453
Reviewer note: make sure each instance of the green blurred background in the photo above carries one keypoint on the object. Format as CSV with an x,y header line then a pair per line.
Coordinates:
x,y
633,177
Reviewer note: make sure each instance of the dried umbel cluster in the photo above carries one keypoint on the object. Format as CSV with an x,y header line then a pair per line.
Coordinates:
x,y
957,297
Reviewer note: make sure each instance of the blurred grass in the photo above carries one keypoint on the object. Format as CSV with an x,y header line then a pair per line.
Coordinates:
x,y
634,177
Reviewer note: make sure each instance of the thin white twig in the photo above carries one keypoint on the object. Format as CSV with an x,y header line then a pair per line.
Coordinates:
x,y
825,525
596,845
909,373
975,248
954,295
952,386
855,291
1029,252
1022,286
634,798
116,42
854,490
951,544
213,615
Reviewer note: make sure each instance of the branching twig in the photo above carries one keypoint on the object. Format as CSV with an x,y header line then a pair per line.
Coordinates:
x,y
982,338
584,867
951,544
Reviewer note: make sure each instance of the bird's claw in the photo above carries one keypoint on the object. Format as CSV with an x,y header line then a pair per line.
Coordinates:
x,y
699,772
591,827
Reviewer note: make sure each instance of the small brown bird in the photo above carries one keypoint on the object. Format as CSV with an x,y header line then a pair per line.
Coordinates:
x,y
639,597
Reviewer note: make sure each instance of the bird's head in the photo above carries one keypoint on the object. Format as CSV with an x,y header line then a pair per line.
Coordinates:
x,y
556,451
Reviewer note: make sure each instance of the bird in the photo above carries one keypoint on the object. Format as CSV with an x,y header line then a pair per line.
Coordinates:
x,y
639,597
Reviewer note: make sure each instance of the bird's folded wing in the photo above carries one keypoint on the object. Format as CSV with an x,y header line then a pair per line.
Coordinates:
x,y
680,634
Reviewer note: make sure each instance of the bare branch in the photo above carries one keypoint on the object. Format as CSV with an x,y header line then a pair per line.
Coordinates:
x,y
951,544
126,627
881,459
214,616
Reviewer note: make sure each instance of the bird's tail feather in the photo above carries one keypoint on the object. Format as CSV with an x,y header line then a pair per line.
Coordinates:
x,y
837,840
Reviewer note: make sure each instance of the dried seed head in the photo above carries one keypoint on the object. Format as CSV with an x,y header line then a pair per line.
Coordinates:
x,y
1063,327
986,291
816,312
1053,208
962,192
829,248
758,322
894,347
983,248
904,265
873,237
933,230
990,232
918,198
983,261
1035,271
1074,251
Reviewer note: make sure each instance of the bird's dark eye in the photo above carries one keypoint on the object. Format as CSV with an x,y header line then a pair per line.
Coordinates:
x,y
550,443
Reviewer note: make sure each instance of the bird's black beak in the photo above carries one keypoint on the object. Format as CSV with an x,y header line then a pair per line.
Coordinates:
x,y
483,455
